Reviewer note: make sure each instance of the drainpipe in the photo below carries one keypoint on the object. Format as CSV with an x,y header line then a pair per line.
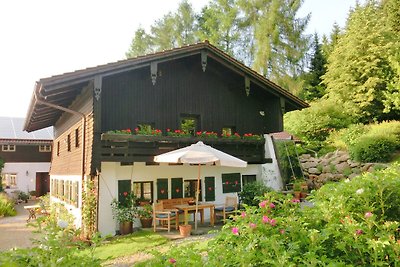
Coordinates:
x,y
41,100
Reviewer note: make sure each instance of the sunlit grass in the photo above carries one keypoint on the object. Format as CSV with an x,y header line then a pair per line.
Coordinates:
x,y
127,245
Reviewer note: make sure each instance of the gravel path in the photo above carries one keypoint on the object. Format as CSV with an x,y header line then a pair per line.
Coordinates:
x,y
14,231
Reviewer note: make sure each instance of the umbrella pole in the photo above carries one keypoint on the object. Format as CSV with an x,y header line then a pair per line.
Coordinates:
x,y
197,199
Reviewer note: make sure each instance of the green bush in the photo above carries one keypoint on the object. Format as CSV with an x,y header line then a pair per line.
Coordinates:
x,y
6,206
352,223
314,124
251,191
373,148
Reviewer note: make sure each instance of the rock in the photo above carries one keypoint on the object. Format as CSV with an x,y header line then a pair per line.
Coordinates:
x,y
314,171
353,164
366,166
309,164
343,158
351,176
342,166
305,156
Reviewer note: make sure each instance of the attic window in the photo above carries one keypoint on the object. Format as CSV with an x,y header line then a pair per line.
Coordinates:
x,y
8,148
45,148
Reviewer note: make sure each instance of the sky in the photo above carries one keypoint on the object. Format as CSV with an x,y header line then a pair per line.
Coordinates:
x,y
42,38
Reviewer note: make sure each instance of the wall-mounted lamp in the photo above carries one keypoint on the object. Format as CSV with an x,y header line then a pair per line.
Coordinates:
x,y
27,173
262,113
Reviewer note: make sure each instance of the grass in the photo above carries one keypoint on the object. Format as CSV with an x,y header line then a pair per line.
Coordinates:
x,y
127,245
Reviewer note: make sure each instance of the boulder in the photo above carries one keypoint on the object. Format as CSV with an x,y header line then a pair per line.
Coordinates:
x,y
309,164
342,166
314,171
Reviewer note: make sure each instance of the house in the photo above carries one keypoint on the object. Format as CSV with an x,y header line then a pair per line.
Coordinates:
x,y
26,157
195,88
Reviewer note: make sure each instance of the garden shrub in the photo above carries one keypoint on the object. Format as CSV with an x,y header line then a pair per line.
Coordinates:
x,y
6,206
353,223
251,191
373,148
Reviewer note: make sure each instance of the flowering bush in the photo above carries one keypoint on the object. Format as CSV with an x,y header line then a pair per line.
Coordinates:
x,y
126,210
346,226
230,136
250,136
177,133
206,134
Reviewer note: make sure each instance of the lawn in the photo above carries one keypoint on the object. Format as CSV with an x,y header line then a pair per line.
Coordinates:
x,y
127,245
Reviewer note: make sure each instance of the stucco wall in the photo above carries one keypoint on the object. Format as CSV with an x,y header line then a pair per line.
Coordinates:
x,y
26,173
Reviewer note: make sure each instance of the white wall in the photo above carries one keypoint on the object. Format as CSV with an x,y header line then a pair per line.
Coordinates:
x,y
75,211
26,173
270,174
112,172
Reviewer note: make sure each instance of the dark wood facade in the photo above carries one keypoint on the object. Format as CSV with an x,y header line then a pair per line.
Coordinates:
x,y
26,151
217,97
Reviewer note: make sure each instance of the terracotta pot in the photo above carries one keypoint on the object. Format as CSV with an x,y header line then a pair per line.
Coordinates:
x,y
297,195
185,230
146,222
125,228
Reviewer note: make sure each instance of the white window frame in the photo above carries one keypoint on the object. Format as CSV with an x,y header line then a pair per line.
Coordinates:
x,y
44,148
9,180
8,148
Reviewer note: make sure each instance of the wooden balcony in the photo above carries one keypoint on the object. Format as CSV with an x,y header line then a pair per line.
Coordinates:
x,y
139,148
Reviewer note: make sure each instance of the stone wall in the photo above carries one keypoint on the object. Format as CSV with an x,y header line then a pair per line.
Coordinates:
x,y
334,166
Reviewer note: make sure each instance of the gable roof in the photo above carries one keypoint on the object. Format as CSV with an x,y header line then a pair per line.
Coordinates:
x,y
62,89
11,130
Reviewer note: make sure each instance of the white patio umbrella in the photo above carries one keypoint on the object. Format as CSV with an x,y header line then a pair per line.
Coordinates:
x,y
200,153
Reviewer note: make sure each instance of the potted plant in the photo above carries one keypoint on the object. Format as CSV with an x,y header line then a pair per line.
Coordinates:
x,y
297,190
145,214
125,212
23,196
32,194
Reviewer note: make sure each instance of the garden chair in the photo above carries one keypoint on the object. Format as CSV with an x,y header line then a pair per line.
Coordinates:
x,y
164,217
230,207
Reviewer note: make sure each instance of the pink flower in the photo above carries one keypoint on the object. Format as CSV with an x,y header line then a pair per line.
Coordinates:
x,y
272,205
253,225
263,204
368,214
243,214
272,222
235,231
265,219
295,200
282,231
172,260
359,232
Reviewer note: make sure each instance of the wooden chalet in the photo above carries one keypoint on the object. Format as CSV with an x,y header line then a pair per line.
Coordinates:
x,y
195,88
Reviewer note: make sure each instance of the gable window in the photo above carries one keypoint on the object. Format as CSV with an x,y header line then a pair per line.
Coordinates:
x,y
190,189
9,180
8,148
143,190
45,148
190,123
77,137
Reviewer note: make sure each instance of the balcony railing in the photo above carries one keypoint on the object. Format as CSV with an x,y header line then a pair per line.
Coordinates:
x,y
139,148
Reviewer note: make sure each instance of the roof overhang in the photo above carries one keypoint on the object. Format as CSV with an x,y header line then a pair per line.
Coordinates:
x,y
62,90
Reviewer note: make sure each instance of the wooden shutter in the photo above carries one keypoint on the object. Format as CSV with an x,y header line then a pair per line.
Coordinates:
x,y
162,188
176,188
124,188
209,188
231,182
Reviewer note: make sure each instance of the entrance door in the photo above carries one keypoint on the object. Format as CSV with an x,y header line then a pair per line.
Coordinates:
x,y
42,183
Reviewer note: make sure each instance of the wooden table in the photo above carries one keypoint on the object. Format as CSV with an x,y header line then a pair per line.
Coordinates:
x,y
32,211
201,207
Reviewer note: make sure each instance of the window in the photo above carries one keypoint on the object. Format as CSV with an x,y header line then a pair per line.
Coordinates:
x,y
190,189
9,180
77,137
69,143
143,190
227,131
45,148
190,123
231,183
8,148
58,148
247,179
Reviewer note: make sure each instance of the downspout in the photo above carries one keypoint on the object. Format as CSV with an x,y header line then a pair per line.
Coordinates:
x,y
80,114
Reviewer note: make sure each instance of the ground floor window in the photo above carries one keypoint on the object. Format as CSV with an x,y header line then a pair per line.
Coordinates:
x,y
190,189
9,180
143,190
66,190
